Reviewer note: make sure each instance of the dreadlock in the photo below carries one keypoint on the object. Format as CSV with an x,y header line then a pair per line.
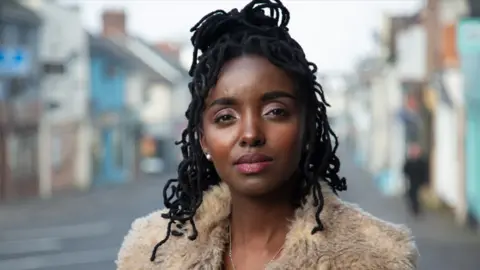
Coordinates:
x,y
219,37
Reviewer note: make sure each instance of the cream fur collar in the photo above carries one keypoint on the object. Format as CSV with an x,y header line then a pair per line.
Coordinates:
x,y
352,239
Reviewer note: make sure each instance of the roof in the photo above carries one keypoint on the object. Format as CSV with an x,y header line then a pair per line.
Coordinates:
x,y
169,58
104,45
160,63
11,10
117,49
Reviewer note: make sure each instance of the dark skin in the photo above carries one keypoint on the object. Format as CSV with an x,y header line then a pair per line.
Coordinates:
x,y
254,109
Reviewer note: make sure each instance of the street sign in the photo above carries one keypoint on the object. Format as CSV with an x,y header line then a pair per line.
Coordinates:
x,y
15,61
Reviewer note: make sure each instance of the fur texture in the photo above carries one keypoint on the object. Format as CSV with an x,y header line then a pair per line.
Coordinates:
x,y
352,239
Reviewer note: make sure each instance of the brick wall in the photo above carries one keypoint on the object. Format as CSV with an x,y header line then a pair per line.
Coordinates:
x,y
114,23
18,180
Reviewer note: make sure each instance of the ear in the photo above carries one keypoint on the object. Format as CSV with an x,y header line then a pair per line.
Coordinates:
x,y
203,141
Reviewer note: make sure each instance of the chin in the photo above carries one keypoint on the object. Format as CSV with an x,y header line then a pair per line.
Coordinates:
x,y
256,186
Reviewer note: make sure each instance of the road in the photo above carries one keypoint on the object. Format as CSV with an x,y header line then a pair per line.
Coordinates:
x,y
84,231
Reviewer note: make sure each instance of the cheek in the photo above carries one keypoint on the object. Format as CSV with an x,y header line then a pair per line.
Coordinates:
x,y
219,142
288,139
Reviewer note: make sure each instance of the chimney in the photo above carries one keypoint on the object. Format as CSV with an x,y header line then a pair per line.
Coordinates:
x,y
169,48
114,23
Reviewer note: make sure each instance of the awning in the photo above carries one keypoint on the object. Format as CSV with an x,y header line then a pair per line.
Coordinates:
x,y
13,11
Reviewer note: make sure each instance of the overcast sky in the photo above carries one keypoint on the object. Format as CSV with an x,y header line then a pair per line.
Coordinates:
x,y
334,33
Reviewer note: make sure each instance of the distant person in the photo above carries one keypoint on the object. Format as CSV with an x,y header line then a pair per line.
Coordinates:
x,y
257,187
416,171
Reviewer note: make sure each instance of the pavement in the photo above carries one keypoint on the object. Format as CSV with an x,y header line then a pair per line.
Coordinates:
x,y
84,230
443,245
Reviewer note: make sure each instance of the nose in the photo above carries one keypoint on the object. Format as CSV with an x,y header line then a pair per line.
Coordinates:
x,y
252,132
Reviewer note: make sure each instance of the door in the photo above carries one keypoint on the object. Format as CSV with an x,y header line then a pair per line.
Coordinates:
x,y
110,167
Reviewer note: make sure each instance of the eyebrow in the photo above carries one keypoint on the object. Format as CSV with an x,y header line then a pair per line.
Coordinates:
x,y
228,101
223,102
276,95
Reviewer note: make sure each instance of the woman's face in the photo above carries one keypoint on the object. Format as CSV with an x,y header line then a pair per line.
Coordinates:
x,y
253,126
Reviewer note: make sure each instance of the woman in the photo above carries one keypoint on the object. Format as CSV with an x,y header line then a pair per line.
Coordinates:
x,y
257,186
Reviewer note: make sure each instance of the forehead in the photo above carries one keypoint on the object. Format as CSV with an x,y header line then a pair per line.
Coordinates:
x,y
248,76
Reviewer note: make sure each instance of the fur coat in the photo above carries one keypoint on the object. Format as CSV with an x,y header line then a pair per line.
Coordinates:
x,y
352,240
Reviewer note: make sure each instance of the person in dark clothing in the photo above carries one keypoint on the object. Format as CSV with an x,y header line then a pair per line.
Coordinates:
x,y
416,170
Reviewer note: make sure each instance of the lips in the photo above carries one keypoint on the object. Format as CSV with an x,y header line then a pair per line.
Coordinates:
x,y
253,158
253,163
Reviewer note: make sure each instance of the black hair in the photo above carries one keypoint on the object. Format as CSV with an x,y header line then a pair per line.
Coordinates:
x,y
260,28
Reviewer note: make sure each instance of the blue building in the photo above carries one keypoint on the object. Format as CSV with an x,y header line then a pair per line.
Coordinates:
x,y
469,48
20,100
114,124
163,108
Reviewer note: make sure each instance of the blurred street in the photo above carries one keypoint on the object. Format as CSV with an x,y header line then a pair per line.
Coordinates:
x,y
84,231
93,93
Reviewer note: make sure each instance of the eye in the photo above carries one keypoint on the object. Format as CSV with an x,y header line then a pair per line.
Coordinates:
x,y
277,112
224,118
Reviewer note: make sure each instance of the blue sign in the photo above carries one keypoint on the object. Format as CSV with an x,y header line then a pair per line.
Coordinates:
x,y
15,61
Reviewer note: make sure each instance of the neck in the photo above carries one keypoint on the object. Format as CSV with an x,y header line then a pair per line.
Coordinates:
x,y
260,222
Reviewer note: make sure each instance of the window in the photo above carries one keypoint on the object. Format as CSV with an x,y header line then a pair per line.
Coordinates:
x,y
2,31
16,87
24,33
22,154
9,35
110,70
53,68
474,8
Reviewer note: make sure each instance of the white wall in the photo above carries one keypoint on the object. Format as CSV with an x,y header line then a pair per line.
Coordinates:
x,y
186,56
181,98
448,162
449,184
334,88
135,90
450,10
360,113
83,165
446,155
386,131
61,36
396,131
156,114
379,129
411,52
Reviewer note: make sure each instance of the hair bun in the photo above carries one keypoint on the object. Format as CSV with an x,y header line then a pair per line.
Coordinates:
x,y
219,24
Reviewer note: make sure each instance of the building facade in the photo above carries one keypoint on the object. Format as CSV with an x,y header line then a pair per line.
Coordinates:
x,y
64,57
113,124
157,92
469,50
20,103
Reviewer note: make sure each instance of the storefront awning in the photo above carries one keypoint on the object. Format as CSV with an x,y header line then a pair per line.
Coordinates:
x,y
13,11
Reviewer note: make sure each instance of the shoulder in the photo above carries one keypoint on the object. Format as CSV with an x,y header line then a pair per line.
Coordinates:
x,y
367,242
138,244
